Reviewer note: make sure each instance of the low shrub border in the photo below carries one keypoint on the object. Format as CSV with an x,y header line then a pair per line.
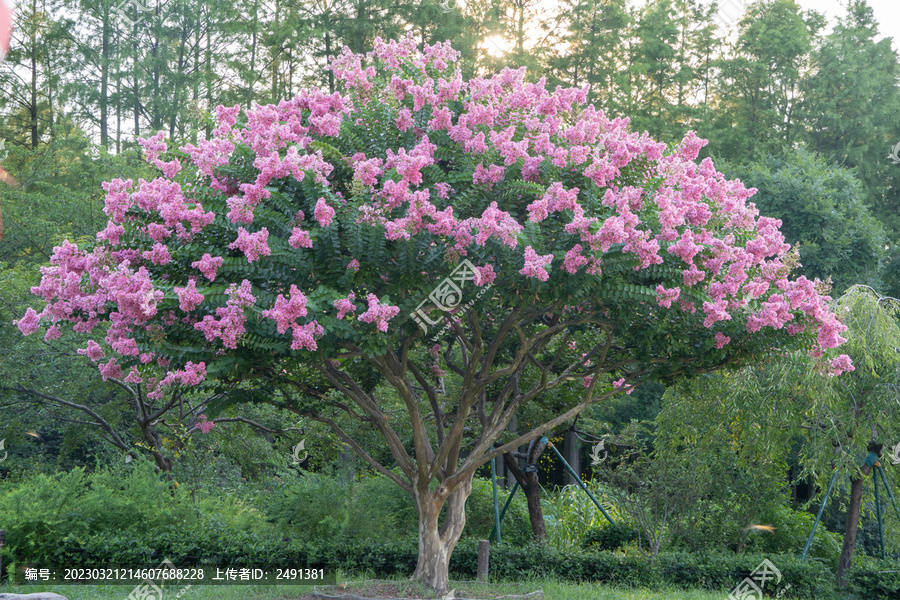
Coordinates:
x,y
709,571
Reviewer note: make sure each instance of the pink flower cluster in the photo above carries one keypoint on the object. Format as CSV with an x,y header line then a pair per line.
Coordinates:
x,y
556,198
345,305
253,245
188,297
229,327
285,314
208,265
323,213
535,264
204,425
378,313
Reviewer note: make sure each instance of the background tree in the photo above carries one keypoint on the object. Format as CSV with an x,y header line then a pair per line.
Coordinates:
x,y
837,419
823,213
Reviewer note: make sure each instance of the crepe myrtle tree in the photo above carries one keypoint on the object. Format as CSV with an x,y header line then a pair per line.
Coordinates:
x,y
516,233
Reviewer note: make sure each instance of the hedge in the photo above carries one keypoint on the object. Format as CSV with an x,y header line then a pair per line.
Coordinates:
x,y
235,548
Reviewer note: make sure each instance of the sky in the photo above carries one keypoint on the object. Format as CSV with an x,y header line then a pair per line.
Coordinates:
x,y
887,13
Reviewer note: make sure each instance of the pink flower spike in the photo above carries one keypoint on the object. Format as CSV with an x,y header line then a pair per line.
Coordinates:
x,y
535,264
721,340
30,323
379,313
323,213
345,305
188,297
204,425
208,265
842,364
253,245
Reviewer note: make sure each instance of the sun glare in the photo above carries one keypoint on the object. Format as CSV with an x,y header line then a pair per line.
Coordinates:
x,y
496,45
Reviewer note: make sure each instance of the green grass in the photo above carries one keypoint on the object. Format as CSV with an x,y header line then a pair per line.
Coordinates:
x,y
552,591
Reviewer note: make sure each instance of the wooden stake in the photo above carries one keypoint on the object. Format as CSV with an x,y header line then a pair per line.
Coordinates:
x,y
484,552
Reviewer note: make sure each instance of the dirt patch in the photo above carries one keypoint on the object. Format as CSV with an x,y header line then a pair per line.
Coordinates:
x,y
409,590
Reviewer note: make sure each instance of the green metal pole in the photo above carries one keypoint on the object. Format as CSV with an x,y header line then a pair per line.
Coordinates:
x,y
888,488
580,482
819,516
878,514
505,506
496,502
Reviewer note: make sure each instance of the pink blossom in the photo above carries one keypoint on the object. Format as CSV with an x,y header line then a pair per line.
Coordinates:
x,y
535,264
111,370
443,189
690,146
484,275
158,255
204,425
488,176
667,296
300,239
253,245
404,119
305,336
721,340
345,305
574,260
353,265
93,351
29,323
378,313
188,297
323,213
287,309
208,265
842,364
229,327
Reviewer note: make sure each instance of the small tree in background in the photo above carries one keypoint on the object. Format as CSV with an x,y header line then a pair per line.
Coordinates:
x,y
760,412
416,222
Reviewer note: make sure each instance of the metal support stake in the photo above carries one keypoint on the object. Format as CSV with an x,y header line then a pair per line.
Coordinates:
x,y
505,506
890,493
579,481
496,503
818,516
878,512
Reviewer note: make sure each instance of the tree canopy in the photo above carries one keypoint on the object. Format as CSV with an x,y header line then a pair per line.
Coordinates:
x,y
416,220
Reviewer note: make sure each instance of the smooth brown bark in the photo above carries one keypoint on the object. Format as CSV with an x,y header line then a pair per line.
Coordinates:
x,y
531,487
853,511
437,540
852,528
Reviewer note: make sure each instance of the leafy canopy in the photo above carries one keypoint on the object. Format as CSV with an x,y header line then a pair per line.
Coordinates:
x,y
314,228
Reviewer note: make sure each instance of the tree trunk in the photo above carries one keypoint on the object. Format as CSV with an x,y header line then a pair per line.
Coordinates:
x,y
852,527
531,487
104,78
437,540
853,516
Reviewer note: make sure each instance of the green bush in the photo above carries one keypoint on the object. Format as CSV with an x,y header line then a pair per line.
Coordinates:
x,y
607,537
318,507
516,525
377,509
873,578
570,514
120,514
791,530
132,516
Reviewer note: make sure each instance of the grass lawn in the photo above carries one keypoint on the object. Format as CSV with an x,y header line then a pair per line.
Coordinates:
x,y
552,591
